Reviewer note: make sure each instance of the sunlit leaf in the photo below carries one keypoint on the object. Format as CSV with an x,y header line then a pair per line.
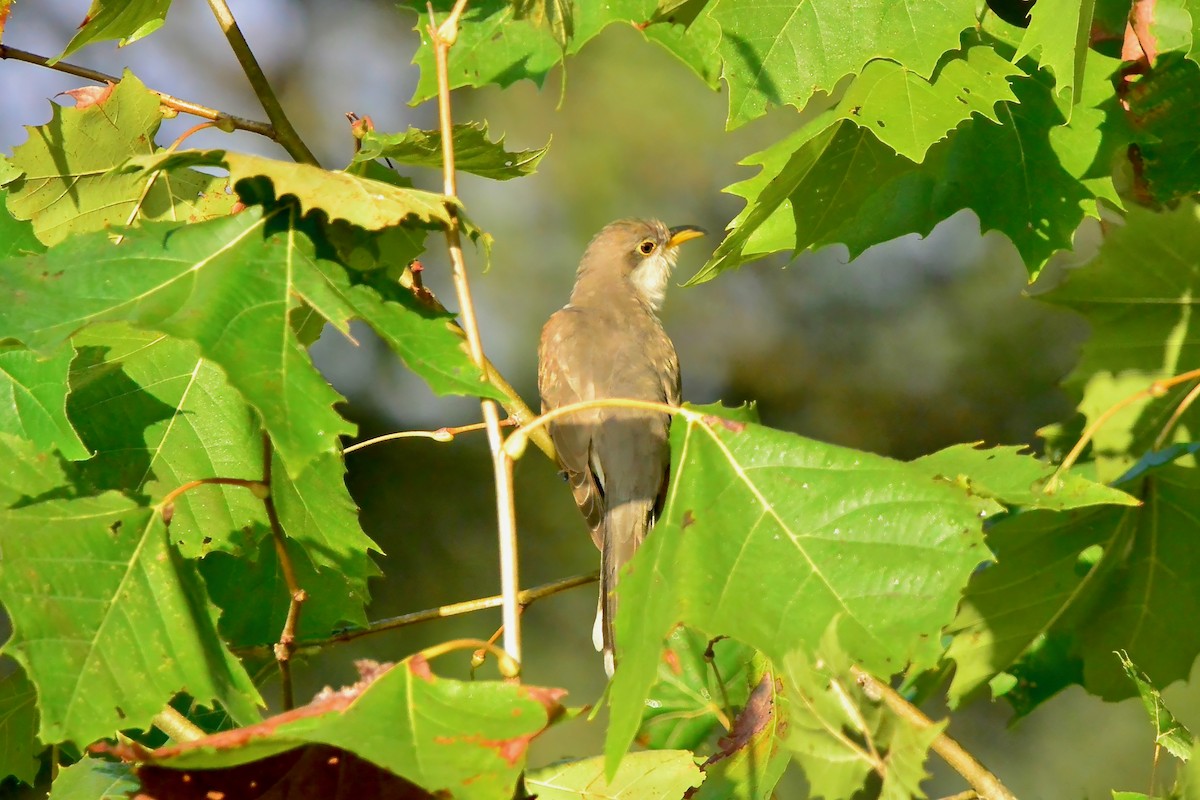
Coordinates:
x,y
1169,733
127,20
33,399
653,775
474,152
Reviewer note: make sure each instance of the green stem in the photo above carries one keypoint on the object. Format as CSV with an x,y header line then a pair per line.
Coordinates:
x,y
288,138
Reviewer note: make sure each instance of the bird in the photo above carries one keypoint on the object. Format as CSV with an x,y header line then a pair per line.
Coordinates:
x,y
608,342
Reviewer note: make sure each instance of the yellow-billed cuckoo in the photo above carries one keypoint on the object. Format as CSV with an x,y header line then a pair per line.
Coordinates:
x,y
607,342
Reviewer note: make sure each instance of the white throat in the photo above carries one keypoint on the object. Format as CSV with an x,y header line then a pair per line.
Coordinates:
x,y
650,277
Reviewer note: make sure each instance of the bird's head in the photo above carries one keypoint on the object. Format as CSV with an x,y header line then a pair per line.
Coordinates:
x,y
640,251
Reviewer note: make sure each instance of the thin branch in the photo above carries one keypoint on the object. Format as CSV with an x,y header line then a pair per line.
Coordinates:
x,y
1155,389
177,726
984,782
508,667
296,596
166,506
443,38
526,598
287,136
514,447
224,121
440,435
1183,406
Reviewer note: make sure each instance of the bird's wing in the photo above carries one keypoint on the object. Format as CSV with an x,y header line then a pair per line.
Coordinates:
x,y
572,435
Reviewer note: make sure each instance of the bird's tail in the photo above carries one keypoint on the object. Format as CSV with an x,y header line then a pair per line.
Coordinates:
x,y
624,528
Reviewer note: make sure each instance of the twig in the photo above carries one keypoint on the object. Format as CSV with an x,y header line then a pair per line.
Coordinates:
x,y
177,726
509,668
514,446
440,435
286,134
526,598
166,506
443,38
984,782
296,596
1156,389
223,120
1183,406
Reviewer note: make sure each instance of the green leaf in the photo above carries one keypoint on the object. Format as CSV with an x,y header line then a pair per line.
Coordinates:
x,y
1058,32
557,15
18,726
776,54
653,775
468,739
1029,178
1173,27
909,113
686,702
1013,478
474,152
108,621
157,415
760,523
94,779
831,720
692,41
68,184
494,47
1139,296
750,760
359,200
335,599
16,236
228,284
1161,105
118,19
1074,587
1168,732
33,400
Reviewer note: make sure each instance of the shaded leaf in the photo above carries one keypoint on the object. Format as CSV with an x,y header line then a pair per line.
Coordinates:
x,y
474,152
1161,105
69,185
686,702
108,621
227,284
1139,296
94,779
16,236
750,760
652,775
127,20
18,726
33,400
1070,588
467,739
760,523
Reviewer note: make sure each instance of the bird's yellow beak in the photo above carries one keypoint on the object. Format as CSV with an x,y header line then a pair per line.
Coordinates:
x,y
682,233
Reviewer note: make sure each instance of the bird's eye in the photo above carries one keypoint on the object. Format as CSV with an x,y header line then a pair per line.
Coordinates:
x,y
646,247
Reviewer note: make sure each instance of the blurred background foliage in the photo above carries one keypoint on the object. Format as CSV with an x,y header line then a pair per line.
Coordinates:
x,y
915,345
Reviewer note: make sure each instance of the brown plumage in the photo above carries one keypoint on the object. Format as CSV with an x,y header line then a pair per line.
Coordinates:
x,y
607,342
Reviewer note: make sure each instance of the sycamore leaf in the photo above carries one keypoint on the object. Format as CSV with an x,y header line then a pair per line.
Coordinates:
x,y
18,726
557,15
1169,733
782,53
17,237
474,152
1161,104
909,113
127,20
69,185
94,779
109,622
465,739
359,200
1139,296
1029,178
760,523
33,400
1058,33
1069,589
228,284
1013,478
652,775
